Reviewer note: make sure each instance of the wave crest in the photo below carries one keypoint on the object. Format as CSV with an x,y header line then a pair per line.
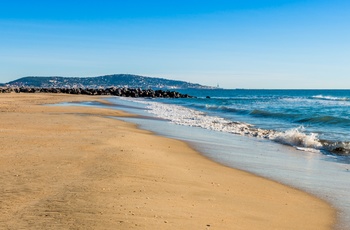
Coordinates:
x,y
296,137
330,98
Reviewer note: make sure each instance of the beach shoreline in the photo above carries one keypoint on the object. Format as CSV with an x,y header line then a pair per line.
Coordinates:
x,y
74,167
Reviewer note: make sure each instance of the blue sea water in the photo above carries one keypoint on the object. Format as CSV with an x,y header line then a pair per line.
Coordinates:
x,y
310,120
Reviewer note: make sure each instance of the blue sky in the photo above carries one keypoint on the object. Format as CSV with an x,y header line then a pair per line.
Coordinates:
x,y
237,44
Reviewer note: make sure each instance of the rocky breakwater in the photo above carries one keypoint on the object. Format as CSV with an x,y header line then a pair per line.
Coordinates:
x,y
113,91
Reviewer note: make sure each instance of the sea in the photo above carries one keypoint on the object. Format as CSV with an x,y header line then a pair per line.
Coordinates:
x,y
309,120
300,138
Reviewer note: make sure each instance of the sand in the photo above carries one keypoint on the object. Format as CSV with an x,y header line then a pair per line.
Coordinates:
x,y
77,168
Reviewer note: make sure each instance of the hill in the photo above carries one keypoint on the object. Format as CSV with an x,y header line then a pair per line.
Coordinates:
x,y
117,80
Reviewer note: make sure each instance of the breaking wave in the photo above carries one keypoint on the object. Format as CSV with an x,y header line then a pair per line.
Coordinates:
x,y
330,98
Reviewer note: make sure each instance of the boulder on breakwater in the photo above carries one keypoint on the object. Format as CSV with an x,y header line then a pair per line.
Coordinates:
x,y
113,91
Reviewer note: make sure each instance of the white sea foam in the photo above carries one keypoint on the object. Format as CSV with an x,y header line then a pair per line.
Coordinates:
x,y
296,137
311,150
184,116
330,98
189,117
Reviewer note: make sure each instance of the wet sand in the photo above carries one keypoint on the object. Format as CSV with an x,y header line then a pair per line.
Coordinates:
x,y
76,168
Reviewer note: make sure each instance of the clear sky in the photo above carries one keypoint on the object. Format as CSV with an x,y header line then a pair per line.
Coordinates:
x,y
237,43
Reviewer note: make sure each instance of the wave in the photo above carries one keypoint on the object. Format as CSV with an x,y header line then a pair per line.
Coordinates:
x,y
223,108
296,137
330,120
301,119
330,98
337,147
262,113
226,109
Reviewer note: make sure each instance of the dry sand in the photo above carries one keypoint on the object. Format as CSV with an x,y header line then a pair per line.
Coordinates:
x,y
75,168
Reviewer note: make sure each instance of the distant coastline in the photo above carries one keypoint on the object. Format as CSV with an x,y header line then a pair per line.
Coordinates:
x,y
114,80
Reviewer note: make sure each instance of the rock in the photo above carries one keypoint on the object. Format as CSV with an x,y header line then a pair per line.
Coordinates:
x,y
123,92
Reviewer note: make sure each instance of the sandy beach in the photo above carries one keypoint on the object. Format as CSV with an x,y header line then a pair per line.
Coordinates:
x,y
77,168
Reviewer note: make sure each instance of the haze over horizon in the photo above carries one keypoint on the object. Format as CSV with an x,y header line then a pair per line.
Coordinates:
x,y
237,44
